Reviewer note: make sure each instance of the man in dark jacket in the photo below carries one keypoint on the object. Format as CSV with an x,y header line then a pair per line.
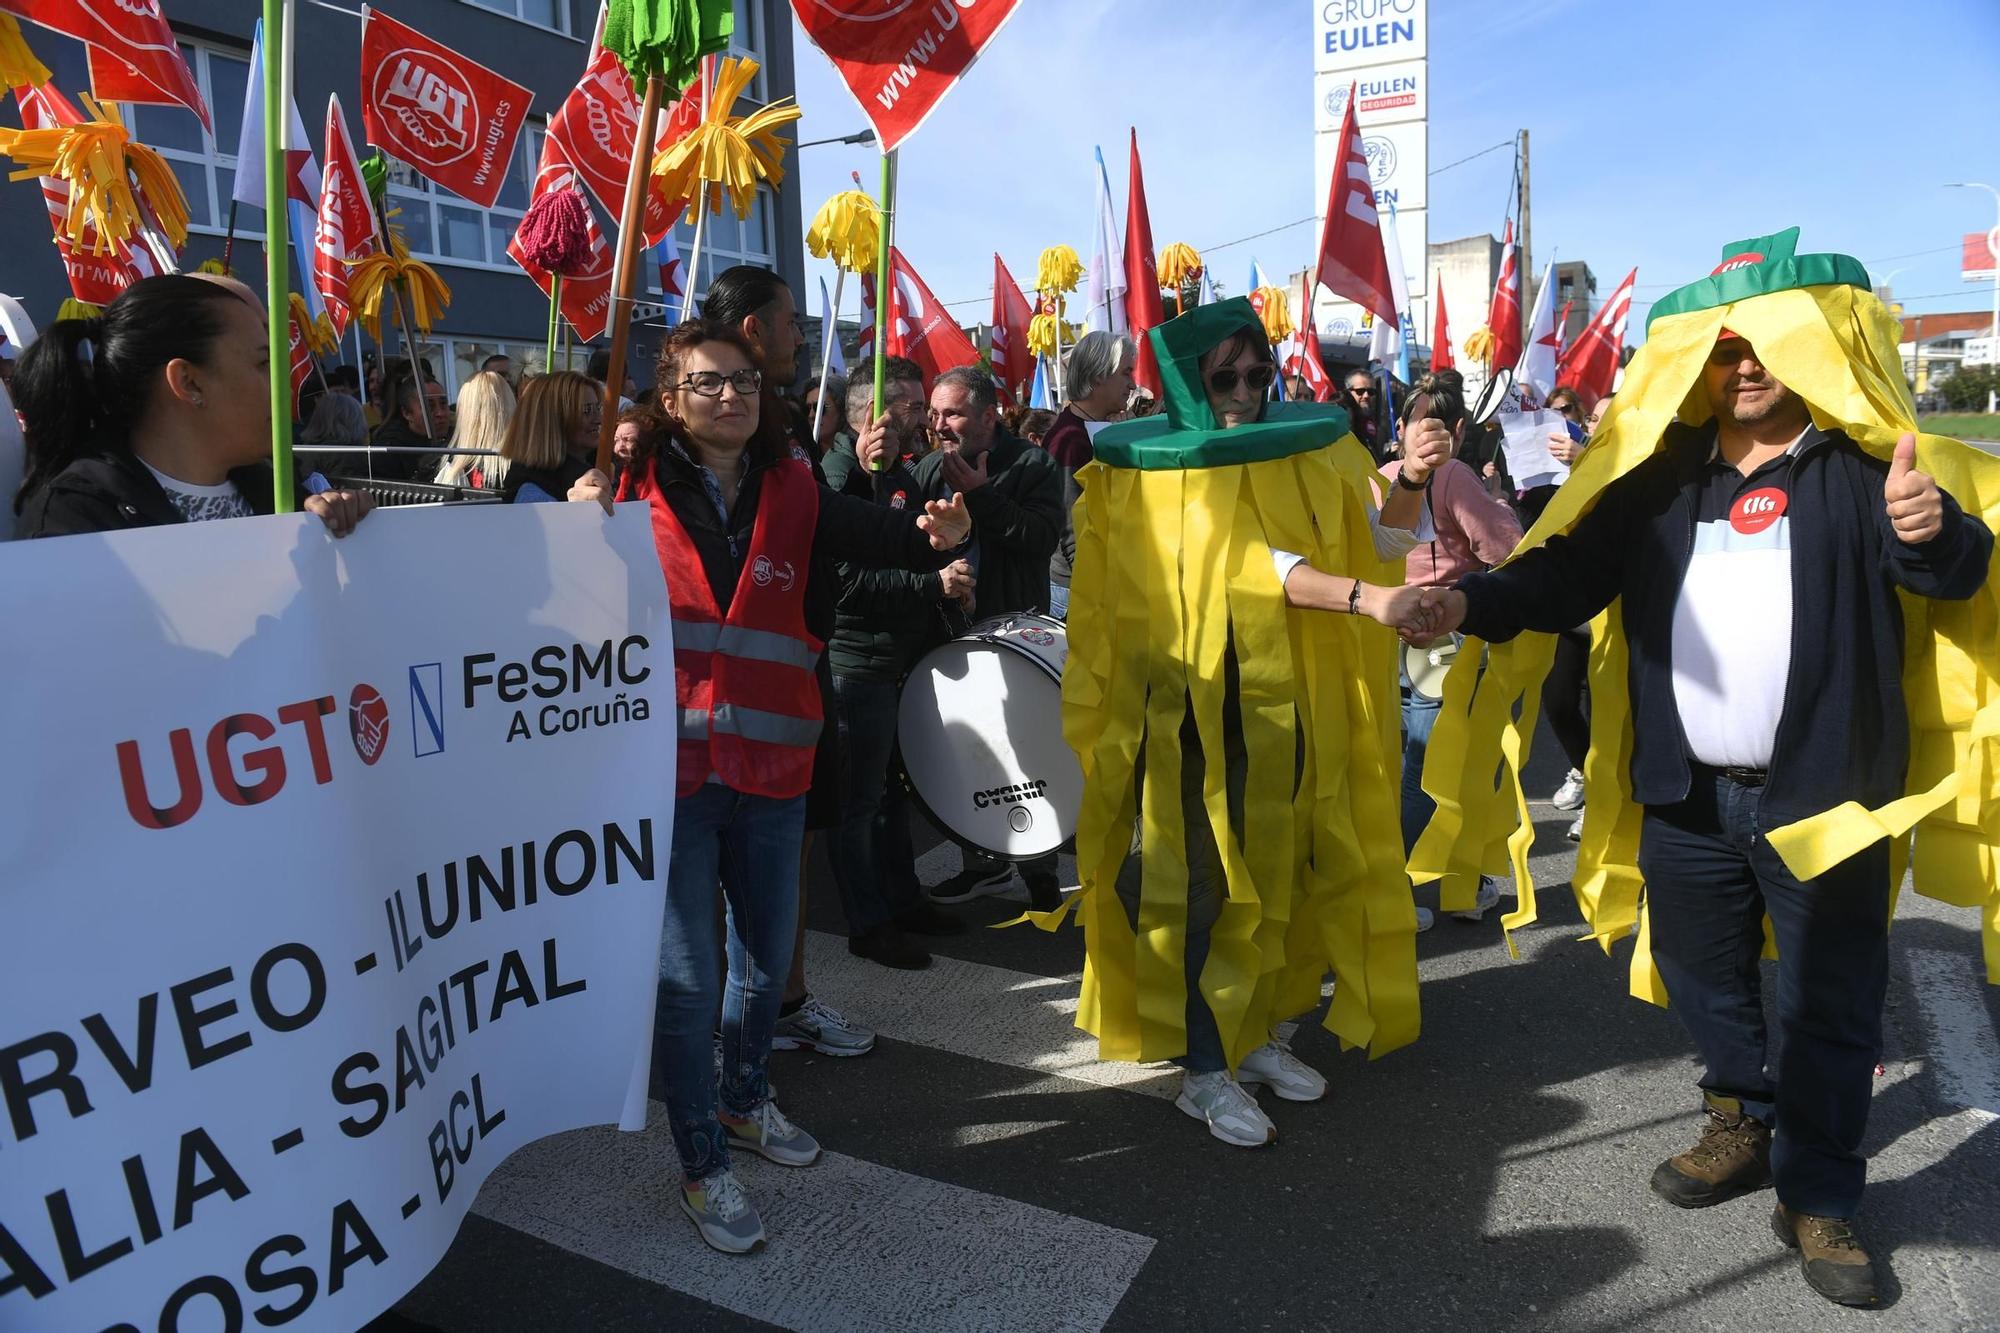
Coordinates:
x,y
1014,492
403,426
886,618
1759,560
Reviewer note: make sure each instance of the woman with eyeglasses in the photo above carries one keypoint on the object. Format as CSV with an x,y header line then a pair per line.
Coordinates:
x,y
748,540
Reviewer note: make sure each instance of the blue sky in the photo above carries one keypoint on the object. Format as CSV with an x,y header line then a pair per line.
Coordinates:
x,y
1659,132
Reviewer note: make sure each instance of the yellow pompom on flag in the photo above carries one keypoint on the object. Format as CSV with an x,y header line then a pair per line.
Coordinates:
x,y
1042,334
1179,265
726,152
101,164
1058,270
848,230
18,66
375,276
71,308
318,333
1479,344
1272,307
214,267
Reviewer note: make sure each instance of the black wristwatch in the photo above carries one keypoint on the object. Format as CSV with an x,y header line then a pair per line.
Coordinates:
x,y
1404,481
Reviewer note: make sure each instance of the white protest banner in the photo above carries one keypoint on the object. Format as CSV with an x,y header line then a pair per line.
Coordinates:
x,y
1526,442
334,875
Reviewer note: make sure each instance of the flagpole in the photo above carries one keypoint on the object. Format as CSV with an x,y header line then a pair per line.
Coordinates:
x,y
700,203
885,287
229,238
277,133
555,300
832,332
626,270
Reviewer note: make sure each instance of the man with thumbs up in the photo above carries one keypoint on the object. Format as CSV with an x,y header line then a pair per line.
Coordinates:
x,y
1759,560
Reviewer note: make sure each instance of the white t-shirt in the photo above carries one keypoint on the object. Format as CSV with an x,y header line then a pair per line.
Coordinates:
x,y
198,504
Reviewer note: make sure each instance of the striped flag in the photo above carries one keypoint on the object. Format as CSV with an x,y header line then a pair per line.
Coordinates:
x,y
94,279
346,222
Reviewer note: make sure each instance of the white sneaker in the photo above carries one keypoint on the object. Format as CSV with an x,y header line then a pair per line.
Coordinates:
x,y
1575,833
766,1132
1291,1078
821,1027
723,1214
1489,894
1230,1113
1425,920
1569,796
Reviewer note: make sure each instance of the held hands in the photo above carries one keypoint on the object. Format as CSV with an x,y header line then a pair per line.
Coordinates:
x,y
958,583
964,476
872,446
1417,614
341,511
593,485
1915,505
1426,448
947,522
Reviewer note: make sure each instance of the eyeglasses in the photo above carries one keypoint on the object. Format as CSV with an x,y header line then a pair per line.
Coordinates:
x,y
1258,377
1361,391
708,383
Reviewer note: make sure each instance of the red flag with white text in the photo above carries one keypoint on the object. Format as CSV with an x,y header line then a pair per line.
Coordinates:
x,y
447,116
95,279
1303,358
1012,363
1143,308
900,58
346,225
596,126
1352,263
132,52
586,298
302,360
1591,367
1503,317
1441,358
919,326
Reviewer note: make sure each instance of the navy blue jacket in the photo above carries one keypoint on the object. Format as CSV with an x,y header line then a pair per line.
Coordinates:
x,y
1843,734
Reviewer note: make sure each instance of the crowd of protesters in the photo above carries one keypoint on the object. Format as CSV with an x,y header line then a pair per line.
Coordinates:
x,y
910,519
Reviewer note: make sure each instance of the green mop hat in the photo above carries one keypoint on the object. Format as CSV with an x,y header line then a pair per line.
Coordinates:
x,y
1758,267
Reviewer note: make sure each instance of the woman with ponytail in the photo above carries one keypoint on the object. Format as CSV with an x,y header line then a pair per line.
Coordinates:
x,y
156,411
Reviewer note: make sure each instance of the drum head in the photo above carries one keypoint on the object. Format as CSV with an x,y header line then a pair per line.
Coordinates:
x,y
980,724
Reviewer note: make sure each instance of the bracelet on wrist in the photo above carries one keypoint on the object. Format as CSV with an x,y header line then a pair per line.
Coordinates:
x,y
1403,480
1354,599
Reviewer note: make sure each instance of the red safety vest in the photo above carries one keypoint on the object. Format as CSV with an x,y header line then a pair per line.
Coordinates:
x,y
750,710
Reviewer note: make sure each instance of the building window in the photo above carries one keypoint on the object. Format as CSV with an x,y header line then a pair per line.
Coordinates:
x,y
457,359
204,162
725,242
553,15
447,228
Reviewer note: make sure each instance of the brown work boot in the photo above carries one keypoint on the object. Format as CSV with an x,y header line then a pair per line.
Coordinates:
x,y
1732,1157
1833,1261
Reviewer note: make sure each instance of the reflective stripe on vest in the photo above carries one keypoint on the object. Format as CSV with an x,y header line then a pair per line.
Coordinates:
x,y
750,712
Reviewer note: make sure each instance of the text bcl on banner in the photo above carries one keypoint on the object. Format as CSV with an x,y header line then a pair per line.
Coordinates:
x,y
900,57
447,116
328,886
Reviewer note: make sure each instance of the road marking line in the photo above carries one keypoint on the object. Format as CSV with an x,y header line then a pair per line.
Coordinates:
x,y
851,1244
1964,1053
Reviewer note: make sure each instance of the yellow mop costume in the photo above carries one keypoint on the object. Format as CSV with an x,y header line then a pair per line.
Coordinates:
x,y
1822,333
1173,573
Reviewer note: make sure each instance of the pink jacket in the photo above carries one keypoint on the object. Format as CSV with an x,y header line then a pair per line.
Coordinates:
x,y
1475,531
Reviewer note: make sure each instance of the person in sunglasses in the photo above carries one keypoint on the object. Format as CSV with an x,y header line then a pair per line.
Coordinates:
x,y
748,540
1238,837
1359,400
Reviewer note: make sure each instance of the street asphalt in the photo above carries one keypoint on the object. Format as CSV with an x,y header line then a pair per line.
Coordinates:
x,y
983,1172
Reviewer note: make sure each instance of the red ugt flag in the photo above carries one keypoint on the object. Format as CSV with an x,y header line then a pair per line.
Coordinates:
x,y
900,58
450,118
1441,334
586,298
133,55
919,327
346,226
1143,307
1352,262
1591,367
1503,318
596,126
94,279
1011,314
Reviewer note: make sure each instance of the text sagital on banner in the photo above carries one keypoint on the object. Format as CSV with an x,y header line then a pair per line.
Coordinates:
x,y
330,883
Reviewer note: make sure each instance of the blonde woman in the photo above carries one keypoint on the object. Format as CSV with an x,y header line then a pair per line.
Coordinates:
x,y
552,440
485,409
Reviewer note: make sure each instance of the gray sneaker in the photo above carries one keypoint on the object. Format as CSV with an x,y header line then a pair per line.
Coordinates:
x,y
723,1214
766,1132
823,1028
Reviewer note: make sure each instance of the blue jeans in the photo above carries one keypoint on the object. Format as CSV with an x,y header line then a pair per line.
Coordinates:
x,y
1710,879
1059,600
751,845
874,862
1419,716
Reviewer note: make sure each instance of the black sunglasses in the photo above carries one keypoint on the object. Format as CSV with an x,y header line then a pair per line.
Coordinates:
x,y
1258,377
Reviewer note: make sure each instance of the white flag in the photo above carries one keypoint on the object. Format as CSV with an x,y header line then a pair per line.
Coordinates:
x,y
1385,336
1107,261
302,191
1538,358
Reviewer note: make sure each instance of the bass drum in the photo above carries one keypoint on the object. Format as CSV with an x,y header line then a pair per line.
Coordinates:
x,y
981,729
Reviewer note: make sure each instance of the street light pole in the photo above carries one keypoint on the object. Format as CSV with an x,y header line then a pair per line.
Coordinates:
x,y
1993,254
859,136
